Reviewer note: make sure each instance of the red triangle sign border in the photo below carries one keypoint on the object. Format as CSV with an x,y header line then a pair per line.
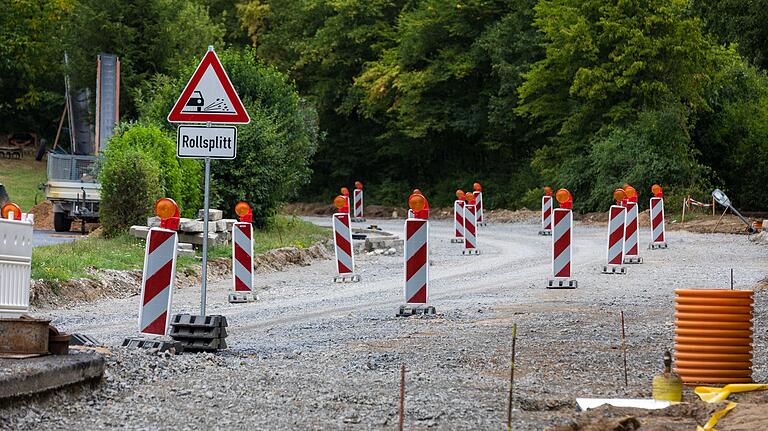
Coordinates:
x,y
241,115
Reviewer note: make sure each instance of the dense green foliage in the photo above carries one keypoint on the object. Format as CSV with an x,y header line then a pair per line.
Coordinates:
x,y
436,94
583,94
179,179
273,151
130,186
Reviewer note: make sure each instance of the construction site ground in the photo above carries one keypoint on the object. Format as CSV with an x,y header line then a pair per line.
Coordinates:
x,y
313,354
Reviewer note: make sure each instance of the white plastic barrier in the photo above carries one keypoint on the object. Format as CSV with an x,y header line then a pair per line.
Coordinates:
x,y
15,266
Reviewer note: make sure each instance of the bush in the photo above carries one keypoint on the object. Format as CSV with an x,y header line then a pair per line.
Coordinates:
x,y
129,188
273,151
180,179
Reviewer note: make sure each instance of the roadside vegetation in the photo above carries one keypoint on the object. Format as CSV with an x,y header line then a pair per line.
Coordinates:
x,y
76,259
21,179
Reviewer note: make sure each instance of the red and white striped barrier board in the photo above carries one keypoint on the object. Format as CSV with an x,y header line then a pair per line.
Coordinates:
x,y
157,281
416,261
242,262
615,258
470,230
410,213
458,221
546,215
562,253
658,232
357,199
345,257
479,208
631,235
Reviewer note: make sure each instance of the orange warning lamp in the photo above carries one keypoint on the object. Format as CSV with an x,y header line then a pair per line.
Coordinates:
x,y
619,195
358,185
417,202
340,201
469,197
657,191
11,208
565,199
477,187
244,211
345,191
168,211
460,194
547,191
631,193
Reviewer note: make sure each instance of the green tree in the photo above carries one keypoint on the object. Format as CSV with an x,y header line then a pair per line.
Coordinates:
x,y
606,63
149,36
31,56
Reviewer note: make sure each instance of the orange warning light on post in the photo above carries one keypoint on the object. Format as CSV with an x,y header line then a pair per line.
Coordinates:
x,y
244,211
619,195
547,191
469,197
460,194
417,202
340,201
565,199
657,191
345,191
630,191
477,187
168,211
358,185
11,208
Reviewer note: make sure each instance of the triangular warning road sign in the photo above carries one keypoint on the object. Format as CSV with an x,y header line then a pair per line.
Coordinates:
x,y
209,97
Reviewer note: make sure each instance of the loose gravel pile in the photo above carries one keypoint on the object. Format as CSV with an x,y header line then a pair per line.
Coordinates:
x,y
313,354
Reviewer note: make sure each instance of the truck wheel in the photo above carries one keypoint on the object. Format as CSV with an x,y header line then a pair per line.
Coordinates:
x,y
61,223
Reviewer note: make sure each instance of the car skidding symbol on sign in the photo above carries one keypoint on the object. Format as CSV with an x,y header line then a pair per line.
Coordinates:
x,y
196,103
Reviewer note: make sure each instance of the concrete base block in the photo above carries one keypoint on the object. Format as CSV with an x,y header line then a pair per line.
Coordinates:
x,y
36,375
657,245
140,232
545,232
614,269
457,240
562,283
242,297
358,220
483,223
213,215
147,342
633,260
200,333
408,310
470,251
346,278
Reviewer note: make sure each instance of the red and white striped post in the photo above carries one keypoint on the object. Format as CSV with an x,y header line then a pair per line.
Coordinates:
x,y
470,225
242,256
479,203
616,219
546,212
159,272
416,260
631,231
458,218
658,232
342,241
357,203
562,239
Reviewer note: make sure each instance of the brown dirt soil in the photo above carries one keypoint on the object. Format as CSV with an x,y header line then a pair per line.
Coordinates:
x,y
385,212
750,414
706,224
43,213
110,283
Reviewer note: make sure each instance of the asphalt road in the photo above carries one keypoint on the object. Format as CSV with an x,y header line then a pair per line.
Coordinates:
x,y
50,237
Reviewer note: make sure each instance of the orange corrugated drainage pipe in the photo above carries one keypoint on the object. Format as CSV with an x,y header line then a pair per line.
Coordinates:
x,y
713,335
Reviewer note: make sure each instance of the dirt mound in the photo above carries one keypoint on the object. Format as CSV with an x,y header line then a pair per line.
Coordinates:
x,y
110,283
709,224
523,215
43,213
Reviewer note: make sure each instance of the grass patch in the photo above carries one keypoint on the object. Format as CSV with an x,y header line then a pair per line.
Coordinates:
x,y
21,179
72,260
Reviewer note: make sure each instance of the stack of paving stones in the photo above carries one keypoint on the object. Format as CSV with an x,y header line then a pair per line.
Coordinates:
x,y
199,333
191,231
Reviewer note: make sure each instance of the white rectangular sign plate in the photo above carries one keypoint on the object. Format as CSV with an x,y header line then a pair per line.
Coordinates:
x,y
199,142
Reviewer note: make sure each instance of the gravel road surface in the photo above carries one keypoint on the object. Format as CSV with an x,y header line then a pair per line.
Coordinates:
x,y
312,354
